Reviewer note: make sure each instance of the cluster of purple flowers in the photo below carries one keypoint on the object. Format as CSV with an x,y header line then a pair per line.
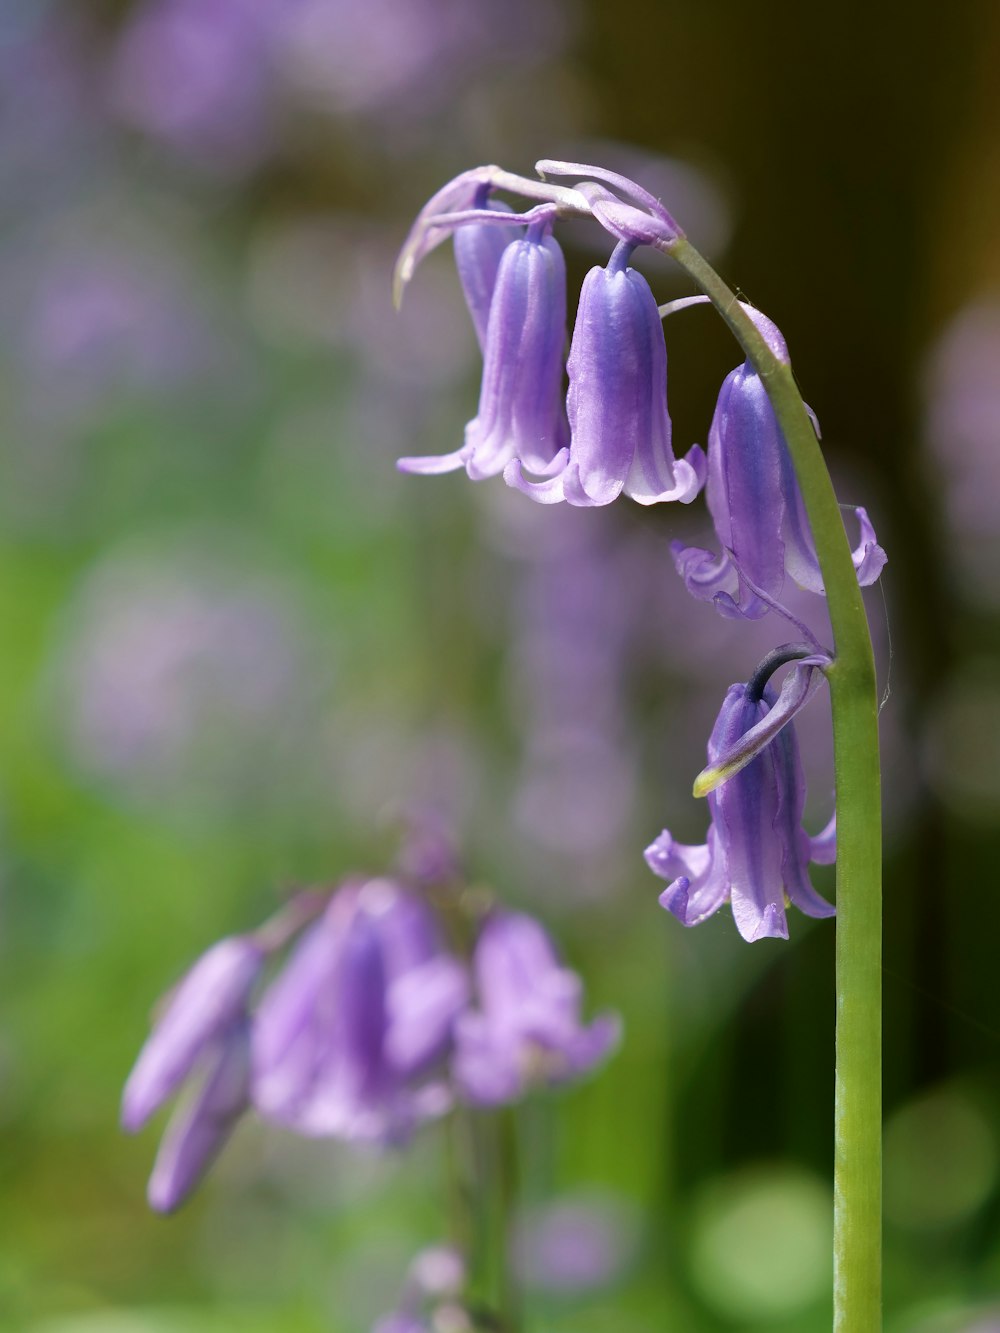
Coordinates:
x,y
609,435
371,1026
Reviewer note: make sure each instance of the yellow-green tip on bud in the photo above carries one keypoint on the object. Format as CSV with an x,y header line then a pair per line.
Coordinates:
x,y
716,774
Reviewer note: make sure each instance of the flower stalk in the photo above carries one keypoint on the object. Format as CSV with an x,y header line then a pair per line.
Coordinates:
x,y
851,676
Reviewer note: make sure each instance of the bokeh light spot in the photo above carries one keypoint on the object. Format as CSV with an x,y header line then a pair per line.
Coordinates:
x,y
761,1241
940,1160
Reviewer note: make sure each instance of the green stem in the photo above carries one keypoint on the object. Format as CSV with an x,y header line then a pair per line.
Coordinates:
x,y
857,1296
508,1190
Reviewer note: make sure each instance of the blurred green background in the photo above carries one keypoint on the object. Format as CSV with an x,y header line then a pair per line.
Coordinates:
x,y
237,643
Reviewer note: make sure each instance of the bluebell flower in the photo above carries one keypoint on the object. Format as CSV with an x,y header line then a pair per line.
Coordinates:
x,y
348,1039
527,1029
521,413
757,507
756,855
620,435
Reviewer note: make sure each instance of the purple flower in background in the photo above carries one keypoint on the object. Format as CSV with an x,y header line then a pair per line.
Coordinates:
x,y
196,73
203,1030
198,1130
347,1038
757,854
617,402
576,1244
177,670
520,405
436,1274
757,507
207,1005
527,1029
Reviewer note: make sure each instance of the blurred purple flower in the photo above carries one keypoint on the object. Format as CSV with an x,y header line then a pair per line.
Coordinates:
x,y
163,656
401,1322
574,618
576,1245
347,1038
202,1032
757,507
196,74
757,853
527,1030
962,429
104,316
437,1273
520,405
207,1005
199,1130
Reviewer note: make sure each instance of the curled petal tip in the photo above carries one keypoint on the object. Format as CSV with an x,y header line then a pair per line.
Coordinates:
x,y
674,898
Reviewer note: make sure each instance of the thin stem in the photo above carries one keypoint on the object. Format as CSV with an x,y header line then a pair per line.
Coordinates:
x,y
508,1191
858,1110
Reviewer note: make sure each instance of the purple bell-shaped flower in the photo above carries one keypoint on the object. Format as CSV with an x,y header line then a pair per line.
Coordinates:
x,y
757,506
521,414
203,1031
756,855
527,1029
620,435
347,1039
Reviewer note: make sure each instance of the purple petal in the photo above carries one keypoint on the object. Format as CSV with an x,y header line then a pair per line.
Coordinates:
x,y
643,481
617,383
425,235
206,1005
423,1006
869,558
290,1026
745,809
529,1029
617,402
487,1065
520,403
800,550
771,334
433,465
478,251
550,167
744,491
795,842
708,577
199,1130
823,848
624,222
699,881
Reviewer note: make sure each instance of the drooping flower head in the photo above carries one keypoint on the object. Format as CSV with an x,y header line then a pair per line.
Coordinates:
x,y
756,855
515,290
757,507
527,1028
346,1039
620,437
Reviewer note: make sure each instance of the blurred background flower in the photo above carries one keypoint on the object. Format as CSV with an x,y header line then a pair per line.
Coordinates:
x,y
238,645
